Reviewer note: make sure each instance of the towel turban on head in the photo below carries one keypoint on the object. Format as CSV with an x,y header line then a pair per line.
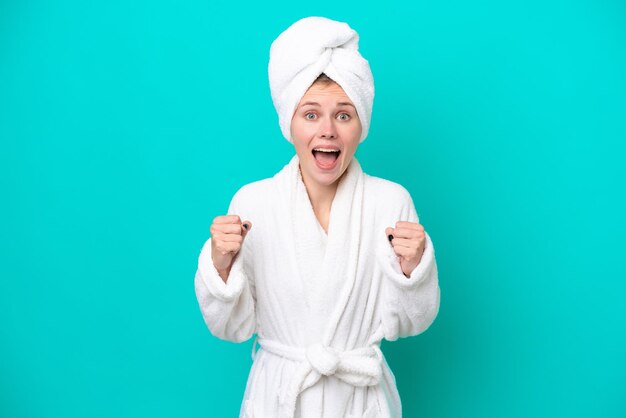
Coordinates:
x,y
309,47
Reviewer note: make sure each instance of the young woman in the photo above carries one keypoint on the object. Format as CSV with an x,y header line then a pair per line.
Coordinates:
x,y
320,261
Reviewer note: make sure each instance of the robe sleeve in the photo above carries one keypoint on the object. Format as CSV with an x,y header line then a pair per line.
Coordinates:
x,y
410,304
228,308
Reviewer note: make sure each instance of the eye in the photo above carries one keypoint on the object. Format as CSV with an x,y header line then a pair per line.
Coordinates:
x,y
306,115
345,114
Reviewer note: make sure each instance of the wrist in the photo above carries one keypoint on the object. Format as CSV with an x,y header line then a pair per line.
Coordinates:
x,y
224,273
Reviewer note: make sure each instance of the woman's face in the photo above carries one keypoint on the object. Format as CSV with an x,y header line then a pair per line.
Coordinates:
x,y
325,118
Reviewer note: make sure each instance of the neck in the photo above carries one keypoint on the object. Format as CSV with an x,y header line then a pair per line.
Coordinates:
x,y
321,196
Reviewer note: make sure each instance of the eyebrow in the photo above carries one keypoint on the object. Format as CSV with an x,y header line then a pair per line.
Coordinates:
x,y
317,104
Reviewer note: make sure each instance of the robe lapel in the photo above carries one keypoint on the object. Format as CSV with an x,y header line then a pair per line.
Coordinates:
x,y
327,287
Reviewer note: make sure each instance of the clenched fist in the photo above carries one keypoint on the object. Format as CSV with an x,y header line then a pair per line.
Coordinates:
x,y
408,240
227,233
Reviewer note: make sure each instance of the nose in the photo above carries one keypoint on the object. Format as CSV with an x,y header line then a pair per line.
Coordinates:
x,y
328,128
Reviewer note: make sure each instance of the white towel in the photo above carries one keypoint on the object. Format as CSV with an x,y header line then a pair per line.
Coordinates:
x,y
309,47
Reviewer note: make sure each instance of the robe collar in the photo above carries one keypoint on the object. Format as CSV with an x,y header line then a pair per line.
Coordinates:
x,y
336,276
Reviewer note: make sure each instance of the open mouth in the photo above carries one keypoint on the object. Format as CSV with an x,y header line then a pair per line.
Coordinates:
x,y
326,158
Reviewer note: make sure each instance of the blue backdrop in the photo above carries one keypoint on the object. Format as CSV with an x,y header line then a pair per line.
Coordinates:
x,y
126,127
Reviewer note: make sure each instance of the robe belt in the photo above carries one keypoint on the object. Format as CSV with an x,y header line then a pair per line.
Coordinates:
x,y
358,367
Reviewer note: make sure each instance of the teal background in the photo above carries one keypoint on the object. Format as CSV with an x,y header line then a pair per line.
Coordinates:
x,y
126,127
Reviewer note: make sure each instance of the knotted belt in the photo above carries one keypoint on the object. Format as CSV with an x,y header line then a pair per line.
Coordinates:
x,y
358,367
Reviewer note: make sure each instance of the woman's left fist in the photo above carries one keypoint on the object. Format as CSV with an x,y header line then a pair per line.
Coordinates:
x,y
408,240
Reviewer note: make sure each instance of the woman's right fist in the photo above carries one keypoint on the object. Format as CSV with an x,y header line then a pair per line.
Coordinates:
x,y
227,233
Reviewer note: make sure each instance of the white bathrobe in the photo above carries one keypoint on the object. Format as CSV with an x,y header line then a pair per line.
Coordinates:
x,y
319,304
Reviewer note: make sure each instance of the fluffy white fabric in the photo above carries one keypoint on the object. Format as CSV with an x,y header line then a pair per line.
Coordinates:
x,y
309,47
319,315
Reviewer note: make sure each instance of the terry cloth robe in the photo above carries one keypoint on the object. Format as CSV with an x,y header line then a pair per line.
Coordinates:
x,y
319,304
